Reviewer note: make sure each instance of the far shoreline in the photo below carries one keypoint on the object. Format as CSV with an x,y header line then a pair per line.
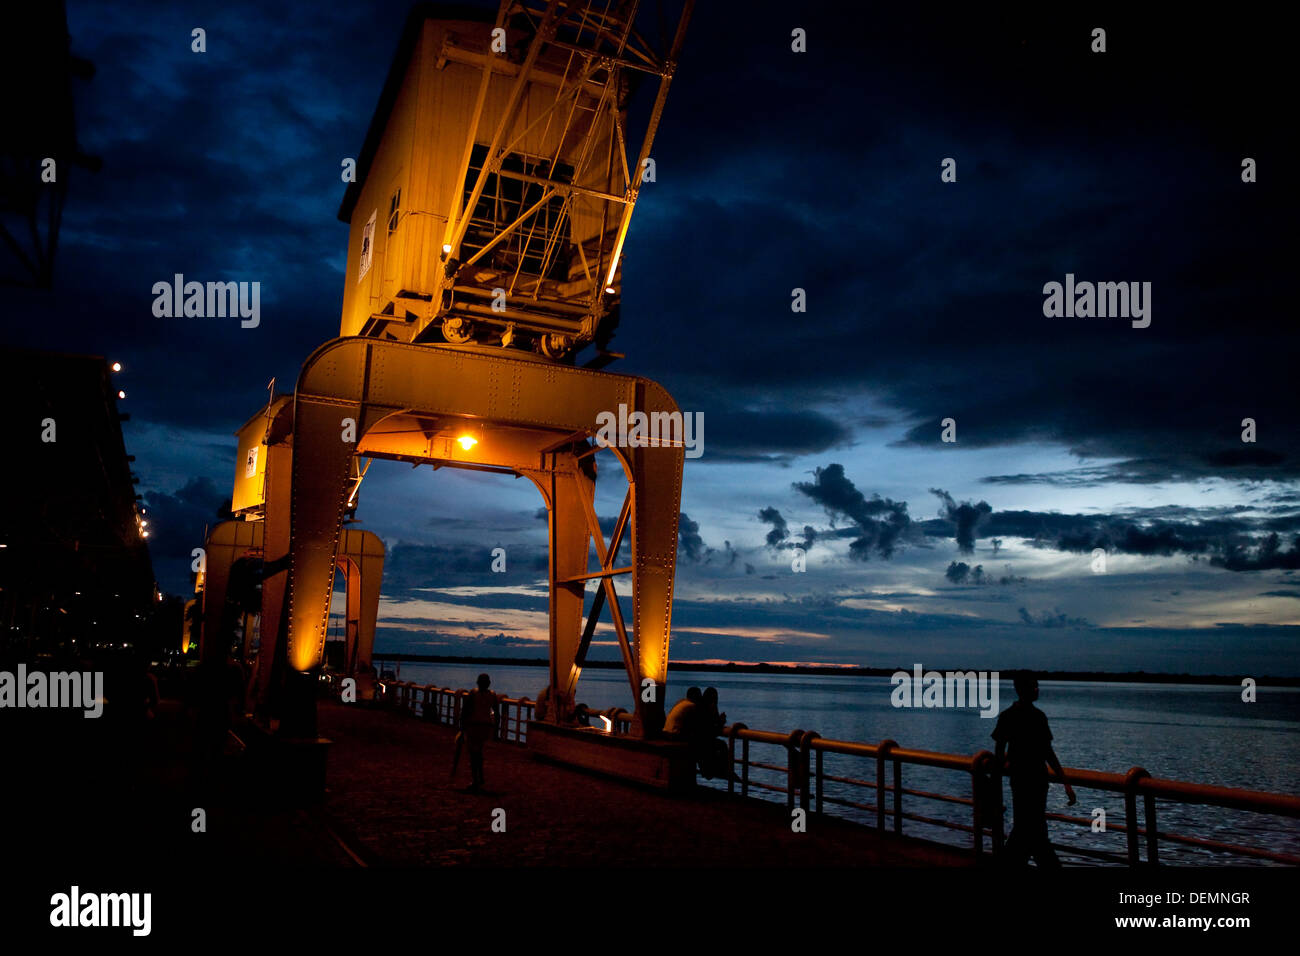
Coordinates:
x,y
836,670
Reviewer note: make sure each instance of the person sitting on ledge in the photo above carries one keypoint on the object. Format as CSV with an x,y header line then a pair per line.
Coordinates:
x,y
713,755
682,721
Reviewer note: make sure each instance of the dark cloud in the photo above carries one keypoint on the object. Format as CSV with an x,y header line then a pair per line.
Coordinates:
x,y
1224,462
690,545
409,567
779,531
774,435
1264,556
1056,618
959,572
1231,538
940,314
176,524
1128,538
965,517
503,640
779,534
880,522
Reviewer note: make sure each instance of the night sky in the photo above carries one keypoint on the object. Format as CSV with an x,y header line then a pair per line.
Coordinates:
x,y
779,170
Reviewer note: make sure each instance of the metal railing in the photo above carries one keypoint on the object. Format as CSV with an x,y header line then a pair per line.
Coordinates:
x,y
806,778
442,705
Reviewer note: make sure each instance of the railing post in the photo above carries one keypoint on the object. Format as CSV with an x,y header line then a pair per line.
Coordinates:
x,y
792,766
744,768
731,776
978,791
999,814
1153,837
882,752
821,780
519,720
898,796
1130,812
805,765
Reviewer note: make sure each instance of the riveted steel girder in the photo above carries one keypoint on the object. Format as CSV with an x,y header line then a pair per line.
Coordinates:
x,y
227,542
526,417
360,558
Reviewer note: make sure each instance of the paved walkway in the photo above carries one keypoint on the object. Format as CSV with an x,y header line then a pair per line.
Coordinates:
x,y
391,802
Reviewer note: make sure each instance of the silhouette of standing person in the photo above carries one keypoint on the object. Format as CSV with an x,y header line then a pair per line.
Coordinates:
x,y
1024,738
478,721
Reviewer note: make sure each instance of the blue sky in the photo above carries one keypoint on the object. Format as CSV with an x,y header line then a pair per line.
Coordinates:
x,y
779,170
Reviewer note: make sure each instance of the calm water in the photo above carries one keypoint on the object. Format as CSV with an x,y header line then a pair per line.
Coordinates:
x,y
1183,732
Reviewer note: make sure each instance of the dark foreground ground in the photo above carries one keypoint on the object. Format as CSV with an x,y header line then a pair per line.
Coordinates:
x,y
397,852
97,792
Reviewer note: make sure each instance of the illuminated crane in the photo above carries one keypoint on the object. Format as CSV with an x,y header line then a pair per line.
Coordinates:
x,y
488,218
497,182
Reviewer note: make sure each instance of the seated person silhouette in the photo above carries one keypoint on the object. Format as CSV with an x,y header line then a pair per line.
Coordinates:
x,y
682,722
1024,738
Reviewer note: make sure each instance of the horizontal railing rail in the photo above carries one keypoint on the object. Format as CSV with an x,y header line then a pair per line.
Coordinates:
x,y
806,778
442,705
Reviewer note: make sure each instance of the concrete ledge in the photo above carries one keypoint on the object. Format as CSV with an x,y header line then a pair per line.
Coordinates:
x,y
664,765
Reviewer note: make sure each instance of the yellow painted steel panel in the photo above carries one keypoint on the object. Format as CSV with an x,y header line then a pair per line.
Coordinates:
x,y
249,492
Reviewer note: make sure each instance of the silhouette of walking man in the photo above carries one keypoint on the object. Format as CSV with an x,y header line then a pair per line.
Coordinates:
x,y
478,722
1024,738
